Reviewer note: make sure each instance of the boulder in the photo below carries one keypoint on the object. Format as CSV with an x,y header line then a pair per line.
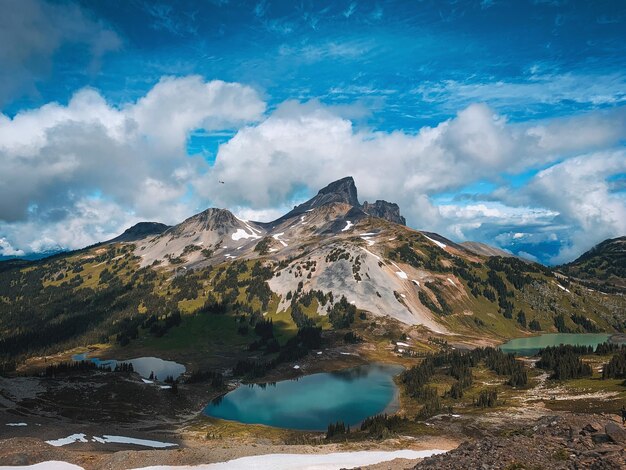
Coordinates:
x,y
592,427
615,432
600,438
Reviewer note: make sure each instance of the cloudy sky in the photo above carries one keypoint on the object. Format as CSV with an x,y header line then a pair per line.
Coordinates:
x,y
497,121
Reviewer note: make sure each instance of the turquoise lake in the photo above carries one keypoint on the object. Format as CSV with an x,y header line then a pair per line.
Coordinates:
x,y
312,401
531,345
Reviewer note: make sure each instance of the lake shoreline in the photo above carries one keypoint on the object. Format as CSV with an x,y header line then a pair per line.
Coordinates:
x,y
313,401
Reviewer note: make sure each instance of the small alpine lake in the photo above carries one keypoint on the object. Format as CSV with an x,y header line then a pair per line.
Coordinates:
x,y
144,366
311,402
531,345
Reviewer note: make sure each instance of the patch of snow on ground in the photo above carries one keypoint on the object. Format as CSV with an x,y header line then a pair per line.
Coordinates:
x,y
17,424
415,282
403,296
348,226
439,244
108,439
273,249
333,461
401,274
369,241
562,288
165,387
296,367
146,381
48,465
131,440
67,440
277,238
241,233
392,239
352,302
451,282
400,343
228,255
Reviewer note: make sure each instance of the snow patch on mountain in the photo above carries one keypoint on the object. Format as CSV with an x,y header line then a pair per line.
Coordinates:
x,y
438,243
401,274
277,236
242,234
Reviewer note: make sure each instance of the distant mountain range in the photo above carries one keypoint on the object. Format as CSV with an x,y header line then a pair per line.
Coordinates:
x,y
32,256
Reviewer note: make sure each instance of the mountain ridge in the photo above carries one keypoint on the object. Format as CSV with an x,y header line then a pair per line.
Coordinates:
x,y
330,265
602,267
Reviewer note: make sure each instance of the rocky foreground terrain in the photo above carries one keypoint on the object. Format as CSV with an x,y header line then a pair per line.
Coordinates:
x,y
552,442
559,441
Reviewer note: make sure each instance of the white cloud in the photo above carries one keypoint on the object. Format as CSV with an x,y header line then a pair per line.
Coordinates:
x,y
58,161
176,105
480,221
533,90
260,215
307,145
56,157
6,249
579,190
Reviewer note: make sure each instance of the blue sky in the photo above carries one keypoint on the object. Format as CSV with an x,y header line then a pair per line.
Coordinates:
x,y
497,121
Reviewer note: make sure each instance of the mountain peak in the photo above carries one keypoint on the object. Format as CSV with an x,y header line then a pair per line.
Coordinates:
x,y
342,190
212,218
141,230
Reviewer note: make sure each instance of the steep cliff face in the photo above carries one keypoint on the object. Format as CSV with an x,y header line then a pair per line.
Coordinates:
x,y
340,191
385,210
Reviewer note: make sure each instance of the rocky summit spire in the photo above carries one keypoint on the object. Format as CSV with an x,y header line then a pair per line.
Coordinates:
x,y
343,190
385,210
